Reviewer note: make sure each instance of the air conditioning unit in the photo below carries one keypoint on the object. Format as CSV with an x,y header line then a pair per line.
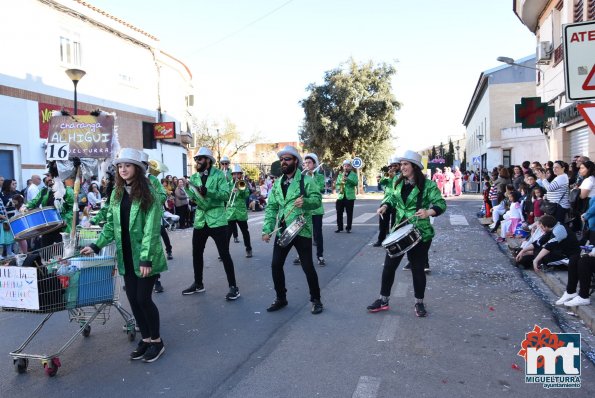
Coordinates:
x,y
544,52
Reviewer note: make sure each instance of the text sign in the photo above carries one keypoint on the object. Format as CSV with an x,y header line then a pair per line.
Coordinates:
x,y
18,287
45,115
57,151
579,60
164,130
87,136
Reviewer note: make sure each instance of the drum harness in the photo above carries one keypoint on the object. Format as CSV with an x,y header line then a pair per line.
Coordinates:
x,y
279,223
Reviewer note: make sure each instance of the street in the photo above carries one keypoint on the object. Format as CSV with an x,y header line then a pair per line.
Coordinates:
x,y
479,309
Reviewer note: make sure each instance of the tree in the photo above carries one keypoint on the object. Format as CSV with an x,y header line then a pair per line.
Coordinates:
x,y
433,155
450,154
351,114
224,141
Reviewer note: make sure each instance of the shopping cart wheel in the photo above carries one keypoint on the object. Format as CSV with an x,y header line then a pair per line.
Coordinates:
x,y
20,365
51,367
86,331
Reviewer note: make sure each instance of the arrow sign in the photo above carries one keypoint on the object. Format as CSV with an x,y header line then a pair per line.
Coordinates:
x,y
587,111
589,83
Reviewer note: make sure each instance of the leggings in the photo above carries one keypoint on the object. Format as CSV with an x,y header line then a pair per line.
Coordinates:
x,y
138,291
418,257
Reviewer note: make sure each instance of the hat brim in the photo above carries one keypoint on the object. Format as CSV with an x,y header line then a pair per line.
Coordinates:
x,y
131,161
295,155
413,161
206,156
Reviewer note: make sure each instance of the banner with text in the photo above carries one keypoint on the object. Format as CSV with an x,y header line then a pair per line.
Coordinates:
x,y
45,115
85,136
18,287
164,130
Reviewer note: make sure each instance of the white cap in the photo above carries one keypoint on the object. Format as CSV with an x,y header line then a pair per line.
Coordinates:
x,y
203,151
290,150
313,157
347,161
237,168
412,157
131,155
225,159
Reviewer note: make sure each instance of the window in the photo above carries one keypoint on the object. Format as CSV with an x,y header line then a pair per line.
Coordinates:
x,y
149,141
7,163
591,10
506,157
184,164
70,49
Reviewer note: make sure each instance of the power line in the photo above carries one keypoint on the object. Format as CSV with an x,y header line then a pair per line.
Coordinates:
x,y
242,28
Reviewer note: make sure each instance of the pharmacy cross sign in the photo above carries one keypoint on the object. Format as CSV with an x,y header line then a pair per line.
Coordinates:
x,y
532,113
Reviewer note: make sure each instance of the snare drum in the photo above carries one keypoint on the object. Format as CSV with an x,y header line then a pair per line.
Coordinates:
x,y
401,241
291,231
36,222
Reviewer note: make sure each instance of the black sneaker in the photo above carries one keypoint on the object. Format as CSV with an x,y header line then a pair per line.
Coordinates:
x,y
321,261
348,230
407,267
154,352
248,253
420,310
158,287
377,244
338,230
277,305
194,288
316,307
140,351
378,305
169,256
233,294
296,261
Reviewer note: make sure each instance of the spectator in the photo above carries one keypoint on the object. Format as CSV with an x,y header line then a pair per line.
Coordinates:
x,y
181,202
254,203
94,197
557,189
33,189
517,177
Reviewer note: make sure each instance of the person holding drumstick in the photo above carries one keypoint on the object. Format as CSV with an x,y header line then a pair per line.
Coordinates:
x,y
411,197
292,195
134,222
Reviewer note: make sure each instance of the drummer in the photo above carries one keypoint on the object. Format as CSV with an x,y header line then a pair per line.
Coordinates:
x,y
292,195
409,205
47,197
386,222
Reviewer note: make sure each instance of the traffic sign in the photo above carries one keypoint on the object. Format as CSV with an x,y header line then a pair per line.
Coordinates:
x,y
357,163
579,60
587,111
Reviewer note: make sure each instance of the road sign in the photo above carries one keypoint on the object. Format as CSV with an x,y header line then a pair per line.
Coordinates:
x,y
587,111
476,159
579,60
357,163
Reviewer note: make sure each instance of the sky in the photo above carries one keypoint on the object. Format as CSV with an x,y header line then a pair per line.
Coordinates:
x,y
252,60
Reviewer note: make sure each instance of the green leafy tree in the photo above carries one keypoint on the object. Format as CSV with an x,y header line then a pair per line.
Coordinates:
x,y
351,114
223,140
450,154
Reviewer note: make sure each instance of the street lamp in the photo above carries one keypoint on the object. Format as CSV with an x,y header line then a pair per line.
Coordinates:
x,y
75,75
510,61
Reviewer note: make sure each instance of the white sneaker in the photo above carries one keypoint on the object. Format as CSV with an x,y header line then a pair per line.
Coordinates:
x,y
566,297
491,226
578,300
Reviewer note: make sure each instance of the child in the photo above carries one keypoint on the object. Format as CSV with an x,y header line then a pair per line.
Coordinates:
x,y
512,217
486,195
18,201
537,195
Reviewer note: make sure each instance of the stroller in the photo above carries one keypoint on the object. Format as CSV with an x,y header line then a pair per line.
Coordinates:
x,y
170,221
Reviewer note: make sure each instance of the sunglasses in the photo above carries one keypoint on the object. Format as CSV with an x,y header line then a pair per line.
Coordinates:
x,y
285,159
224,163
199,158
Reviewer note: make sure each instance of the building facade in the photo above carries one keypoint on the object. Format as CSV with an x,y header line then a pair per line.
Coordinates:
x,y
568,133
492,136
127,73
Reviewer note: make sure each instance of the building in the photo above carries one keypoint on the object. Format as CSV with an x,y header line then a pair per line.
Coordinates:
x,y
127,73
493,137
568,133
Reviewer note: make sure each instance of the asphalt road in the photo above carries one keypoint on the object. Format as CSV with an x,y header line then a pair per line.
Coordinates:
x,y
480,308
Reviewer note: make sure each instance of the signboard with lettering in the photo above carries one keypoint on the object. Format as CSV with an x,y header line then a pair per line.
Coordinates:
x,y
164,130
87,136
45,114
579,60
18,287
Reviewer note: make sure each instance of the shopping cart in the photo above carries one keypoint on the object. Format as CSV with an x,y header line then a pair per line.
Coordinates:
x,y
61,280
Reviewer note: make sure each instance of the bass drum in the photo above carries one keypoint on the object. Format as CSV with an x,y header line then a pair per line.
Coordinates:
x,y
291,231
401,241
36,222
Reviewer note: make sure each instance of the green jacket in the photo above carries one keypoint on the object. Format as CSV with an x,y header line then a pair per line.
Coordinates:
x,y
227,174
280,206
237,212
431,197
145,235
319,180
159,189
349,188
390,185
101,216
210,210
42,200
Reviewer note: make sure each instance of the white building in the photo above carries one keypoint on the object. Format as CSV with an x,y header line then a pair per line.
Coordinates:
x,y
492,136
568,133
126,72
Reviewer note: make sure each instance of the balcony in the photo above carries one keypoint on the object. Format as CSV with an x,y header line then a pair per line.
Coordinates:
x,y
558,54
186,137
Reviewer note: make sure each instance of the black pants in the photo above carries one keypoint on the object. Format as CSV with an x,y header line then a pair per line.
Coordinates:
x,y
386,222
184,212
317,234
580,271
418,257
51,238
348,206
165,238
304,249
199,241
560,214
527,260
233,224
139,291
